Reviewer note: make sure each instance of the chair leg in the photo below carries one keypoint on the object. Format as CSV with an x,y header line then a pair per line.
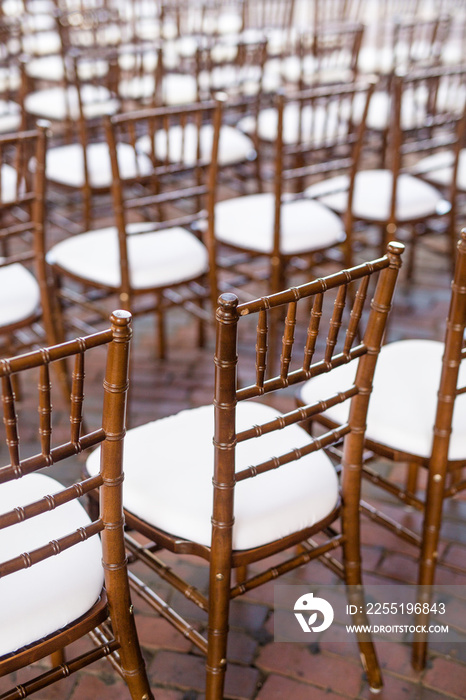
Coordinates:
x,y
161,341
352,564
429,550
58,657
411,479
217,637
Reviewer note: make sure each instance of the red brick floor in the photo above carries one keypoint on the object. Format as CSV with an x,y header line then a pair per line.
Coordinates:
x,y
259,667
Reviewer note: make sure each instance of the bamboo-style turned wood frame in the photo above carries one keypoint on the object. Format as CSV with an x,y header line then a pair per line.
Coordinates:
x,y
221,555
112,614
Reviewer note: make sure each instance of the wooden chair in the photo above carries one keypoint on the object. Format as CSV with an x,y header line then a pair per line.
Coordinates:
x,y
59,581
416,416
152,257
394,198
11,78
78,167
296,492
322,13
326,54
282,230
405,43
274,18
22,215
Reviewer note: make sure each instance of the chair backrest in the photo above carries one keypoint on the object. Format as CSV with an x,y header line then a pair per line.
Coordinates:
x,y
22,207
140,70
242,354
417,42
213,18
174,156
233,67
268,14
325,139
328,11
427,116
24,501
328,54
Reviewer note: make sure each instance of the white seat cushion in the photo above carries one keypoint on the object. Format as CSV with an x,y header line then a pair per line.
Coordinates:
x,y
438,169
53,103
42,43
373,192
51,68
65,164
10,116
247,222
168,478
234,147
20,292
156,259
9,180
41,600
404,398
178,89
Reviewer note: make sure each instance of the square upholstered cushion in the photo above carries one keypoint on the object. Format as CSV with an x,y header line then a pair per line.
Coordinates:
x,y
50,595
168,478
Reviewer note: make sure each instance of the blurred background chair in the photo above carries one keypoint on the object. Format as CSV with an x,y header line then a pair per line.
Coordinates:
x,y
283,230
416,416
78,163
295,494
61,582
152,256
23,286
426,108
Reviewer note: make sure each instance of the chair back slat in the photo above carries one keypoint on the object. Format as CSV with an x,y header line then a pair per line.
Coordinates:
x,y
355,316
45,409
261,347
77,397
335,323
313,330
288,339
9,419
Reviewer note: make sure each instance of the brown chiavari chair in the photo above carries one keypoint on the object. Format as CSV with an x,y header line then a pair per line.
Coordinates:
x,y
169,495
59,580
11,77
78,167
22,215
326,54
326,12
152,257
274,18
426,111
416,416
282,231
